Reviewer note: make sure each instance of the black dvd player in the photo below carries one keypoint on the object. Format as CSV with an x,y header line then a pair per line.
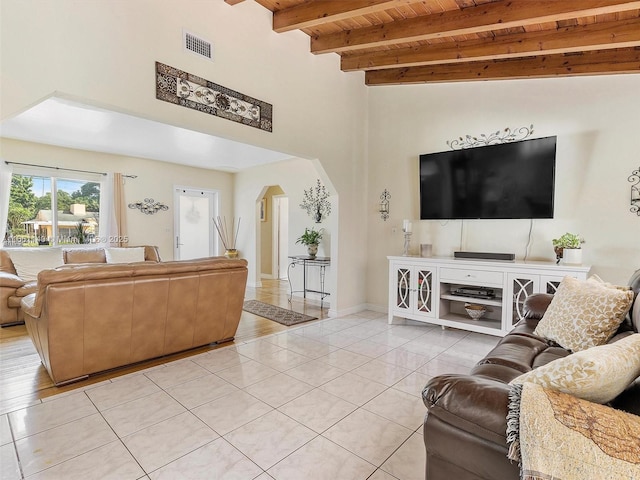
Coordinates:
x,y
477,292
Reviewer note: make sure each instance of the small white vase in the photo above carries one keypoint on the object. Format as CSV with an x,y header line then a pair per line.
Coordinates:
x,y
572,256
312,249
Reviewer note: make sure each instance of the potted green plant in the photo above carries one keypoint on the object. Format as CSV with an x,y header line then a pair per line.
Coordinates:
x,y
568,248
311,238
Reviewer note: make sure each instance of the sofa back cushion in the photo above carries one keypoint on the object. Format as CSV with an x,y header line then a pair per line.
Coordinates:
x,y
28,262
84,255
124,254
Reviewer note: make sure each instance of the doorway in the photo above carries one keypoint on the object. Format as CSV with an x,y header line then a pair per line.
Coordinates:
x,y
273,228
195,210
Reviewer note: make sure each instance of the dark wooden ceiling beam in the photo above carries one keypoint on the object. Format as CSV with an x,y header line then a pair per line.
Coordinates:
x,y
596,36
318,12
493,16
600,62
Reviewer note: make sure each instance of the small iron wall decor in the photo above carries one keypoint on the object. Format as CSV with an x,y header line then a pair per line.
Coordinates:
x,y
505,136
149,206
634,178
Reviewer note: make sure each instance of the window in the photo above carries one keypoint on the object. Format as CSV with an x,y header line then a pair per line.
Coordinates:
x,y
46,210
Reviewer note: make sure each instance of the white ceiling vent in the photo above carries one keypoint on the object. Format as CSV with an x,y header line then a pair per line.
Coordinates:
x,y
198,45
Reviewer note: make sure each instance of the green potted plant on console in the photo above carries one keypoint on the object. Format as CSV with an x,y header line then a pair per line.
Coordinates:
x,y
311,238
568,248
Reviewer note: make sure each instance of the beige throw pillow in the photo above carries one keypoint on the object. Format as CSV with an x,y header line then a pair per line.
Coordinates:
x,y
584,314
124,255
599,374
28,262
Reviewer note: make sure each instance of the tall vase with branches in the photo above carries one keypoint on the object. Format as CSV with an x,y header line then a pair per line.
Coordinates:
x,y
228,237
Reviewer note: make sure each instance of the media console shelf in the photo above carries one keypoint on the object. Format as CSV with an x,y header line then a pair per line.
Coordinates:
x,y
435,290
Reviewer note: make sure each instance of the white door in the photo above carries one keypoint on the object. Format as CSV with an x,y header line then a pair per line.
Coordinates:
x,y
193,223
280,236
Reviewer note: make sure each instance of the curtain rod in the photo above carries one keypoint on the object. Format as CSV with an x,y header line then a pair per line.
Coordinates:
x,y
66,169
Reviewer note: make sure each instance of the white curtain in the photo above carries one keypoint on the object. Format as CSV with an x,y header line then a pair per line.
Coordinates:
x,y
5,187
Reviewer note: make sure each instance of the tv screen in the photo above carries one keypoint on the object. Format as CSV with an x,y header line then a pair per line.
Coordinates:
x,y
508,180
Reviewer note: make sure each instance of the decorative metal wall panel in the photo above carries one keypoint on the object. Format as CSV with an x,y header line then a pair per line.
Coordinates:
x,y
197,93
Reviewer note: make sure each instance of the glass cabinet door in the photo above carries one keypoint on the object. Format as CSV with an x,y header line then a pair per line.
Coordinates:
x,y
425,291
521,287
403,288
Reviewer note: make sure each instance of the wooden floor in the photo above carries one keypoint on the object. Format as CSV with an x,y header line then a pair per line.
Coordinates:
x,y
23,379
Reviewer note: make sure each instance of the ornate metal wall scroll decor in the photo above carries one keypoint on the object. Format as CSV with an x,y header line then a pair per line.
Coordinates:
x,y
149,206
191,91
505,136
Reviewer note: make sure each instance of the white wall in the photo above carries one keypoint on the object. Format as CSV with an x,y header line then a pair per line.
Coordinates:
x,y
596,121
155,180
103,53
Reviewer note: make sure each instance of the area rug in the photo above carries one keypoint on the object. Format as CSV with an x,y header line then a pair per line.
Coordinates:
x,y
277,314
557,436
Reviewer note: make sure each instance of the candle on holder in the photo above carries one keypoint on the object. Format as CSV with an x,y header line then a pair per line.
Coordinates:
x,y
406,226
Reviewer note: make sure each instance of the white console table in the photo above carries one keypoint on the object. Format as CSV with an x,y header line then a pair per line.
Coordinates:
x,y
423,289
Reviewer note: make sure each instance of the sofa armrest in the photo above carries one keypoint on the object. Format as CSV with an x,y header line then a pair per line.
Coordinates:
x,y
535,305
10,280
470,403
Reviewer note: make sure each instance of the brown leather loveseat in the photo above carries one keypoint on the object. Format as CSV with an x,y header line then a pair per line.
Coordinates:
x,y
13,288
87,318
466,422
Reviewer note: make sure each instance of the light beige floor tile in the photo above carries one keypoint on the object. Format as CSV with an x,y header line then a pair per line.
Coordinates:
x,y
201,390
220,359
408,462
255,350
16,403
381,475
231,411
109,462
122,391
9,467
321,459
315,372
370,349
345,359
444,337
176,373
413,384
388,338
283,359
465,359
279,389
424,347
217,460
438,366
317,410
402,408
5,430
62,443
338,339
360,331
247,373
404,358
265,476
130,417
368,435
354,388
164,442
382,372
310,348
270,438
41,417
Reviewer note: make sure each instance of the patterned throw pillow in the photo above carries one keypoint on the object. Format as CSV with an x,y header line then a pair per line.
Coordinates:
x,y
599,374
584,314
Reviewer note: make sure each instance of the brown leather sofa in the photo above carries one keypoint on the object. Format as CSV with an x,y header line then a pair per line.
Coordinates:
x,y
465,426
13,288
87,318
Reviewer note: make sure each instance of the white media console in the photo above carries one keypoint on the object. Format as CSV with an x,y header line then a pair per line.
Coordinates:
x,y
432,290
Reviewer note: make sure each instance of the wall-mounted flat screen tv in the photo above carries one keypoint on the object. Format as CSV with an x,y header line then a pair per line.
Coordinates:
x,y
507,180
